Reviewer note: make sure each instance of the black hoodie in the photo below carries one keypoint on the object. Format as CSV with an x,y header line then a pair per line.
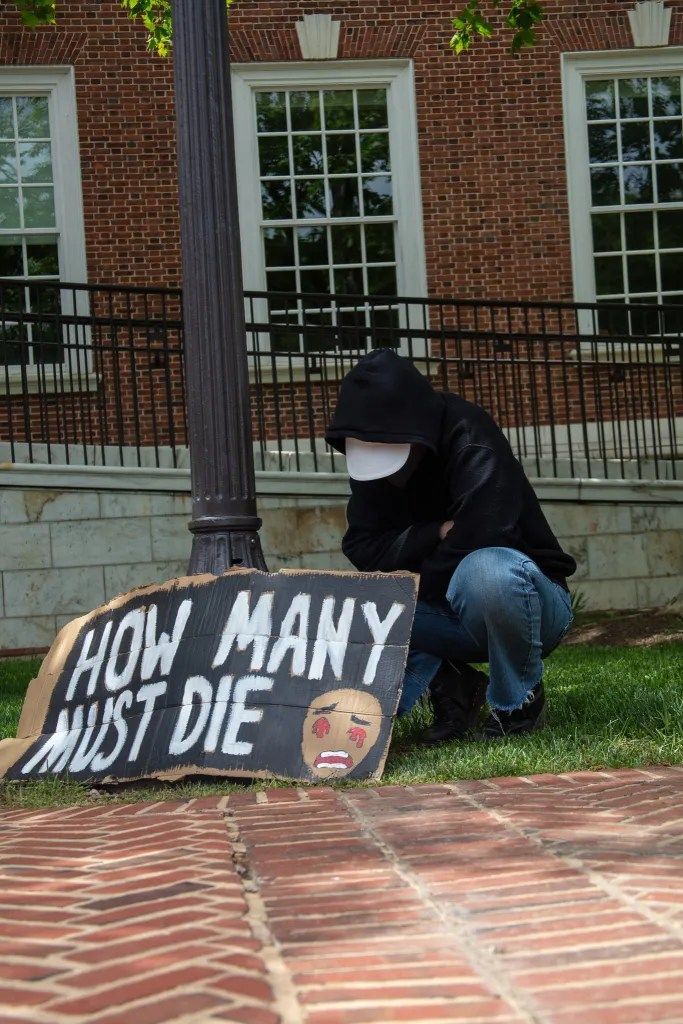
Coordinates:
x,y
468,474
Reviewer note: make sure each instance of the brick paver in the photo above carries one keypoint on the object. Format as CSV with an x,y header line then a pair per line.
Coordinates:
x,y
548,899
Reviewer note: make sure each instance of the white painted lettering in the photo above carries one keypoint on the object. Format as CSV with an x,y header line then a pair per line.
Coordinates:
x,y
183,738
86,749
101,762
331,640
241,715
162,650
148,696
134,621
56,752
380,629
89,663
247,627
291,639
218,714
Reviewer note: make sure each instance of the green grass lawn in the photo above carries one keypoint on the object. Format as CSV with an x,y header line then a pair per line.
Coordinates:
x,y
609,707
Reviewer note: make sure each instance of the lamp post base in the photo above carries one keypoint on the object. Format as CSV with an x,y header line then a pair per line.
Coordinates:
x,y
217,548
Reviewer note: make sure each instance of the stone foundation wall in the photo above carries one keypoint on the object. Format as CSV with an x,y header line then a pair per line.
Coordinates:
x,y
63,552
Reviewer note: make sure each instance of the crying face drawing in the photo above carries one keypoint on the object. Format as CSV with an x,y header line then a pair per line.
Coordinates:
x,y
335,741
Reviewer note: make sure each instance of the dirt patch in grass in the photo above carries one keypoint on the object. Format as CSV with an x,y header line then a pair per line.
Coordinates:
x,y
627,629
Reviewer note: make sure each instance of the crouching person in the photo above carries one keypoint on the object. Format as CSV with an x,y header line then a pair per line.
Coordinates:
x,y
436,489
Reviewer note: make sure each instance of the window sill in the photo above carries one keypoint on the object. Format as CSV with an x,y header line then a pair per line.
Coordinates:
x,y
611,351
32,382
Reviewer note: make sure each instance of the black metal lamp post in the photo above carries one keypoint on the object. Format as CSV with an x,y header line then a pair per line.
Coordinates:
x,y
224,520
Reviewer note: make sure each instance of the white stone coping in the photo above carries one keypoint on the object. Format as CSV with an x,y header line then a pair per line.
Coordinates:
x,y
310,484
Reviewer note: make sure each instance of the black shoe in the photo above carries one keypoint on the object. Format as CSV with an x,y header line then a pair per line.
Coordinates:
x,y
458,693
528,718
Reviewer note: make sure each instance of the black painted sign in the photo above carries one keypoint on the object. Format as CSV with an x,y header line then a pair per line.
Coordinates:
x,y
290,675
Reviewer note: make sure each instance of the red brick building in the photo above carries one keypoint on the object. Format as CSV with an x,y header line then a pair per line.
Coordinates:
x,y
484,133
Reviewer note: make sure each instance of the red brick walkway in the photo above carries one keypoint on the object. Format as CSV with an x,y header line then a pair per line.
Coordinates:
x,y
545,899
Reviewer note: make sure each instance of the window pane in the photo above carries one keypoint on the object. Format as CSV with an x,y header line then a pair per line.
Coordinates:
x,y
382,280
312,246
633,97
609,277
377,196
276,199
346,244
315,281
639,231
308,154
352,330
602,143
344,193
47,345
9,208
11,260
642,274
284,340
349,281
613,321
372,108
673,318
35,161
12,301
310,199
338,109
379,243
672,271
606,232
273,155
304,111
638,183
670,183
341,154
39,206
281,281
42,254
279,247
47,338
670,227
384,325
635,140
8,162
318,335
45,299
271,112
33,120
6,119
666,96
668,139
374,153
600,100
642,321
605,186
13,348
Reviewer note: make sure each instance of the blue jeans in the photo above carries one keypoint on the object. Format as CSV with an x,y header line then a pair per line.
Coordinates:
x,y
500,608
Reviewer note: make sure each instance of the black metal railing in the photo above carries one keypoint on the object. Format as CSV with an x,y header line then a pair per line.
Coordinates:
x,y
94,375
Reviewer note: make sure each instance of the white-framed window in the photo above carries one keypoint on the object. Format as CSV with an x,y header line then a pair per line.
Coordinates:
x,y
624,145
329,195
41,213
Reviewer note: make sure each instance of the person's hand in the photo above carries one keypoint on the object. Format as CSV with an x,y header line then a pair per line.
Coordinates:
x,y
445,529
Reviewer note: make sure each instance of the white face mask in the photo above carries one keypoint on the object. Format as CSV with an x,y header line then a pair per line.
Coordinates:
x,y
374,460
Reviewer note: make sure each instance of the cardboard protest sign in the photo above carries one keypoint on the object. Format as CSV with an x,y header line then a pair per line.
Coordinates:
x,y
290,675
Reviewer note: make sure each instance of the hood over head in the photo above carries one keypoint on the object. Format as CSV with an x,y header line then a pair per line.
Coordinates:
x,y
385,398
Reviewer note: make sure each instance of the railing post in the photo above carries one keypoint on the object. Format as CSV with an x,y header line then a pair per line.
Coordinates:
x,y
224,520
